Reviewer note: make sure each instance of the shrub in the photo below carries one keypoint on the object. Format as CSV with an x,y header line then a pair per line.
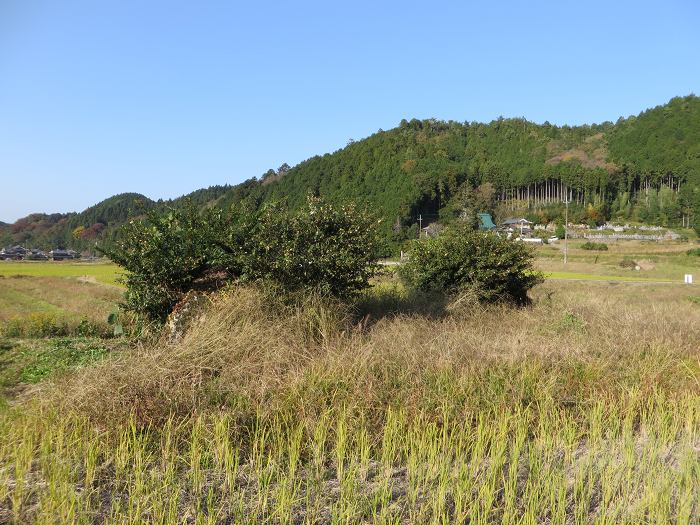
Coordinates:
x,y
323,247
460,260
329,249
694,252
628,262
595,246
560,231
166,255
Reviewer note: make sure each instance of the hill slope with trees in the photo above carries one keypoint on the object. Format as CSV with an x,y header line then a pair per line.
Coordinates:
x,y
644,167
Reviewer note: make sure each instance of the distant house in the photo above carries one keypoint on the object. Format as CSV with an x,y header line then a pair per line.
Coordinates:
x,y
16,253
485,221
517,224
431,230
61,255
36,255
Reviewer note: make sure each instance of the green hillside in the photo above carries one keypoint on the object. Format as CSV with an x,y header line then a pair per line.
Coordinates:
x,y
641,168
77,230
645,167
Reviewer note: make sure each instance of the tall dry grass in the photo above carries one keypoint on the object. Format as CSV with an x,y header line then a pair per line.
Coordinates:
x,y
577,344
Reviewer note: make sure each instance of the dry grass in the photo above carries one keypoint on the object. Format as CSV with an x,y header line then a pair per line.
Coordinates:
x,y
578,341
582,408
23,295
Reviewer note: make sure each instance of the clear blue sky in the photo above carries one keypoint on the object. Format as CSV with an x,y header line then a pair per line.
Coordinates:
x,y
165,97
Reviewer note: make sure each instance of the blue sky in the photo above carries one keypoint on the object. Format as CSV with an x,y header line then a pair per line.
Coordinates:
x,y
165,97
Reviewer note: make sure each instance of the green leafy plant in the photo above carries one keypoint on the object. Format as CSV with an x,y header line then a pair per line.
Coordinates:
x,y
61,355
117,327
327,248
166,255
560,231
459,260
322,247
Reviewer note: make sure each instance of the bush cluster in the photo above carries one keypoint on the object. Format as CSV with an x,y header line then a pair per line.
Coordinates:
x,y
628,262
330,249
462,260
595,246
693,252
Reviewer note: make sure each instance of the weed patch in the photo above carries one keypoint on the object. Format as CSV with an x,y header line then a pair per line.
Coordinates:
x,y
58,356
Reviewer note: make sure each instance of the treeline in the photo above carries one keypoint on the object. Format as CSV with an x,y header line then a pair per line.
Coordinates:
x,y
645,167
101,222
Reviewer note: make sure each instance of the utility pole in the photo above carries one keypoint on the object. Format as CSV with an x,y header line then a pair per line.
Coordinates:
x,y
566,228
420,225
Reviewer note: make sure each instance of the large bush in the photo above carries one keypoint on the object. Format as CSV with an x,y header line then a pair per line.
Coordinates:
x,y
459,260
166,255
595,246
328,248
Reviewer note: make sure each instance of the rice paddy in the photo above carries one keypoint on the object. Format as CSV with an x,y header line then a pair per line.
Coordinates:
x,y
101,272
584,408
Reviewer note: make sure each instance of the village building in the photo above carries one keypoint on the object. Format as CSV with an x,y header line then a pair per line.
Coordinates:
x,y
16,253
518,225
61,255
36,255
486,222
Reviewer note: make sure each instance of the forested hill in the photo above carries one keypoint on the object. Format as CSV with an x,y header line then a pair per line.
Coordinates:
x,y
645,167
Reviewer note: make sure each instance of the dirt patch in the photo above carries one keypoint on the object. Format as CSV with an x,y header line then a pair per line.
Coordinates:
x,y
645,264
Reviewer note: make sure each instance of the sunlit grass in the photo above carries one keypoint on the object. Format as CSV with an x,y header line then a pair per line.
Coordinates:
x,y
632,461
591,277
102,272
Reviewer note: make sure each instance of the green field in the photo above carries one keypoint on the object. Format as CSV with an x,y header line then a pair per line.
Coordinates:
x,y
22,295
660,262
101,272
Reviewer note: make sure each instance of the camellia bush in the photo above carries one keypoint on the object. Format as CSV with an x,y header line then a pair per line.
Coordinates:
x,y
462,260
166,255
321,247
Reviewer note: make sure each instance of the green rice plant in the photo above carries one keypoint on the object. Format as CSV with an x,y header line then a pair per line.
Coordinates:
x,y
504,467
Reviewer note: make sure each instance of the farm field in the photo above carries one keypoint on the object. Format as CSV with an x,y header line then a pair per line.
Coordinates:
x,y
656,261
101,272
22,295
583,407
52,319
